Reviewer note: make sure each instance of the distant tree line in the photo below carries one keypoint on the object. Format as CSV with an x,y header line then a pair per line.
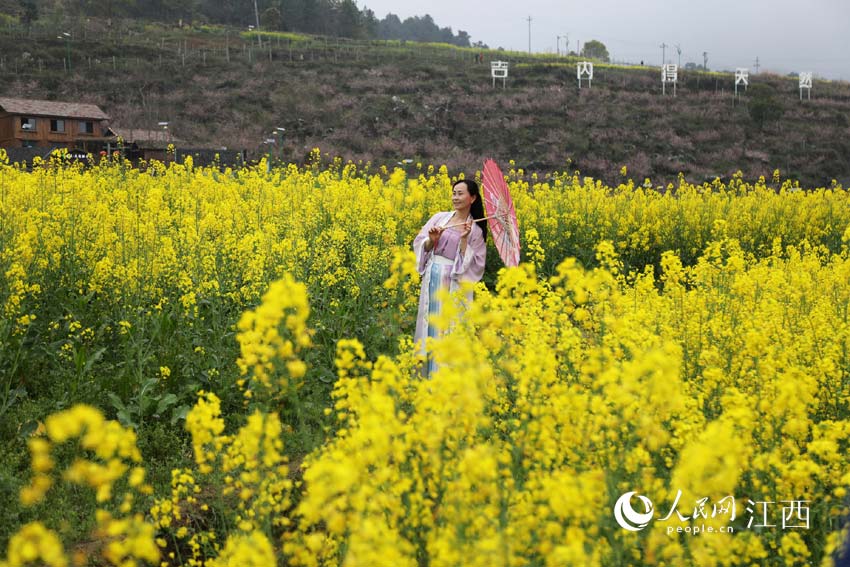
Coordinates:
x,y
420,29
341,18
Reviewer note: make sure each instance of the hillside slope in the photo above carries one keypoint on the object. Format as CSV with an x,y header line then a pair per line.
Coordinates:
x,y
387,102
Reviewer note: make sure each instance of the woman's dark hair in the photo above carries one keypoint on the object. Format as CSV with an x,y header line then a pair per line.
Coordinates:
x,y
477,208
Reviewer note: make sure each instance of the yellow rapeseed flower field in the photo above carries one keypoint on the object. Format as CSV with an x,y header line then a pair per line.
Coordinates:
x,y
665,380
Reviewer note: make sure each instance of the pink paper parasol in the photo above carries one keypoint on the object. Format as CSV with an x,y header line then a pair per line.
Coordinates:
x,y
501,215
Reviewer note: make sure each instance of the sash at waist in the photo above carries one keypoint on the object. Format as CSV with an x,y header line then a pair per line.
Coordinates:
x,y
442,260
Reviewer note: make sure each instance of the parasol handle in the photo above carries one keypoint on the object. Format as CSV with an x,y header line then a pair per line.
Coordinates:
x,y
475,220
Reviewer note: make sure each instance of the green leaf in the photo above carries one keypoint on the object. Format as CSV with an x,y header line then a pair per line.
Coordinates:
x,y
180,413
117,403
96,355
27,429
125,419
166,402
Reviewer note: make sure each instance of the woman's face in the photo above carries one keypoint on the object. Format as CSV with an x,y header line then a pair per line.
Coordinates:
x,y
461,199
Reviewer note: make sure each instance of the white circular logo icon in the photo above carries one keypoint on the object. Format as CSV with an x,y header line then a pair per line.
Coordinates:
x,y
627,517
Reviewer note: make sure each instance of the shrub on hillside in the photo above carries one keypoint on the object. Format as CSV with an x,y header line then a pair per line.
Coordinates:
x,y
764,107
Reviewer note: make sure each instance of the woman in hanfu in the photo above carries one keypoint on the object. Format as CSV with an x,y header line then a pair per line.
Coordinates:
x,y
450,248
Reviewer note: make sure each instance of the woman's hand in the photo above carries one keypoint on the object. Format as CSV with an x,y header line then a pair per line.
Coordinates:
x,y
464,236
433,238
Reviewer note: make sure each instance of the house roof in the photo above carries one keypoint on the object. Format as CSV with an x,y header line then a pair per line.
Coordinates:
x,y
52,108
134,135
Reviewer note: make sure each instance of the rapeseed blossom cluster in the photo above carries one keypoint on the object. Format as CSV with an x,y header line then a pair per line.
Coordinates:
x,y
250,550
184,236
187,236
34,542
688,344
403,281
124,539
248,470
554,396
285,304
256,473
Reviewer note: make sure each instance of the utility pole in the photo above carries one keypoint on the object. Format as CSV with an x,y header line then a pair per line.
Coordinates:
x,y
756,65
566,44
165,137
679,52
705,60
529,32
663,47
257,18
67,37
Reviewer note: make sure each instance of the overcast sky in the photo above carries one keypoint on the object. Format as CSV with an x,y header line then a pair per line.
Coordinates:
x,y
785,35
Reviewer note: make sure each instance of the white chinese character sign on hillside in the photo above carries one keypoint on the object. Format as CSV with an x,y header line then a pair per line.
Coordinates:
x,y
806,83
669,74
742,77
584,69
499,70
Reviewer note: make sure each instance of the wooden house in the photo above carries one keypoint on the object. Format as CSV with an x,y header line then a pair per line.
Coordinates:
x,y
42,123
